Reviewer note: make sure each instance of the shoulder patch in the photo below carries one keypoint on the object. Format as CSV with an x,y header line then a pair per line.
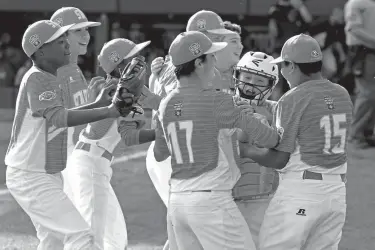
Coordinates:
x,y
47,96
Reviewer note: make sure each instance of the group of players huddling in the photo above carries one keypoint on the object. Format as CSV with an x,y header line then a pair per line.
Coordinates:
x,y
235,170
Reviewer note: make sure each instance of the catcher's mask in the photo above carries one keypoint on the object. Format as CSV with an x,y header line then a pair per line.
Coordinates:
x,y
255,77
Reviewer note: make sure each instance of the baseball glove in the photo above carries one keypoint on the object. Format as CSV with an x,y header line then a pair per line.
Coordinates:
x,y
130,86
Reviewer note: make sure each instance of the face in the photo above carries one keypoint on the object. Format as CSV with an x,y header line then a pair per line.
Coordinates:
x,y
290,73
258,83
230,55
56,53
79,39
206,69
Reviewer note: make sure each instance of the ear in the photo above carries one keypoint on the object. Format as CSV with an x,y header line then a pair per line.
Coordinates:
x,y
198,63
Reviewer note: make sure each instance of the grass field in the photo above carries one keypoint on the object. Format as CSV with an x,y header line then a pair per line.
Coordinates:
x,y
145,213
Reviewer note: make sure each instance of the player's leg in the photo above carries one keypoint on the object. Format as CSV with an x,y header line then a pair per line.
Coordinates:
x,y
42,197
89,177
253,211
116,236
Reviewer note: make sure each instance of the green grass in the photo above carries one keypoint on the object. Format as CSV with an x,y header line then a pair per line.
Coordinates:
x,y
145,213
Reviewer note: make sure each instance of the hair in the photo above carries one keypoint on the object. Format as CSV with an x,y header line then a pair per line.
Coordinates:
x,y
309,68
233,27
188,68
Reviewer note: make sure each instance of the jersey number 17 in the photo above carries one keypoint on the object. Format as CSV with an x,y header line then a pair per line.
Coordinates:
x,y
175,128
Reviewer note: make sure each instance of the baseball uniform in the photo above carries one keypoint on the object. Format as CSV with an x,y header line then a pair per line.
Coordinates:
x,y
309,207
36,156
199,127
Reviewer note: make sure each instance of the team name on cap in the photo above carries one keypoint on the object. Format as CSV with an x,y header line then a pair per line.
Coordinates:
x,y
52,24
79,14
114,57
35,40
201,24
195,49
59,21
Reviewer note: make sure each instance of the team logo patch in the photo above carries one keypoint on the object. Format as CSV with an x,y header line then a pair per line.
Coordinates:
x,y
114,57
315,54
47,96
177,109
59,21
195,49
329,102
52,24
201,24
35,40
79,14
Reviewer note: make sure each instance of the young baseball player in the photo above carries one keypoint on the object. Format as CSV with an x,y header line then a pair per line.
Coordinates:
x,y
308,209
89,166
37,151
255,78
196,127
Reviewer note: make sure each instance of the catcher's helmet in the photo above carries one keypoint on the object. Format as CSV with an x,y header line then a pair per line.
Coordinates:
x,y
259,77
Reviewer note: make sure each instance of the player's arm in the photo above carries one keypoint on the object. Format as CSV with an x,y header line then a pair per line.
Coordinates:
x,y
287,119
355,24
46,101
161,150
302,9
132,134
229,116
149,99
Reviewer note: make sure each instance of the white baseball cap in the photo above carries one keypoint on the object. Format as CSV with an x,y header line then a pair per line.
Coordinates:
x,y
39,33
207,21
116,50
190,45
300,49
71,15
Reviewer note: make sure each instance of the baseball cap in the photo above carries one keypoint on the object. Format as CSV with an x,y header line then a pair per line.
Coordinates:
x,y
114,51
39,33
209,21
190,45
71,15
300,49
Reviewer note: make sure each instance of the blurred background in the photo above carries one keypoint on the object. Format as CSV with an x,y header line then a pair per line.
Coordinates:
x,y
160,21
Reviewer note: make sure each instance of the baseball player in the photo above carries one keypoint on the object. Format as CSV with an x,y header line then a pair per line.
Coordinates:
x,y
196,127
308,209
37,151
255,79
89,166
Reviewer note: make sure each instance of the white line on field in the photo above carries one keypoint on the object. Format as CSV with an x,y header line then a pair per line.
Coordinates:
x,y
134,156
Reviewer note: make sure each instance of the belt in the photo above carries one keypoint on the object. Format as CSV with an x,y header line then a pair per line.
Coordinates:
x,y
308,175
87,147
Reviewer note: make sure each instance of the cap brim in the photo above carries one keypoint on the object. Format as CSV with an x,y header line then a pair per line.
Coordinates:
x,y
221,31
216,47
59,33
137,49
277,60
85,25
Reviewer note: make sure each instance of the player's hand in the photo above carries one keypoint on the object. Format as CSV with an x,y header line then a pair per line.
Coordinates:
x,y
105,95
95,85
245,107
156,65
296,3
266,114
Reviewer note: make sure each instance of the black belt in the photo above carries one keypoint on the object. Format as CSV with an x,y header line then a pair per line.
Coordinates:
x,y
86,147
308,175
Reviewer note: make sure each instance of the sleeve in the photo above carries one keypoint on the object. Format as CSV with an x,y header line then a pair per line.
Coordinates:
x,y
353,16
45,98
229,116
287,119
161,145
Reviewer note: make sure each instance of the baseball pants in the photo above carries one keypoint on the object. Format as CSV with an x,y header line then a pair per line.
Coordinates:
x,y
206,220
58,223
87,180
305,214
253,211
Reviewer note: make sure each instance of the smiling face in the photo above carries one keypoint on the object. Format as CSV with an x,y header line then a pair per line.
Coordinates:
x,y
252,84
79,39
230,55
55,53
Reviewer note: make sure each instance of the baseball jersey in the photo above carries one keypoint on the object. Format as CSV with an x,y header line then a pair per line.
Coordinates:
x,y
223,81
199,129
35,144
256,180
359,13
314,119
75,95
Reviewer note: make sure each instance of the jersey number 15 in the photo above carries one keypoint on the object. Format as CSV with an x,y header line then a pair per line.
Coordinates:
x,y
331,126
173,132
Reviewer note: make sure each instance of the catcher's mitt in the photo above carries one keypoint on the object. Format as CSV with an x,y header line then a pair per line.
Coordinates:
x,y
130,86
